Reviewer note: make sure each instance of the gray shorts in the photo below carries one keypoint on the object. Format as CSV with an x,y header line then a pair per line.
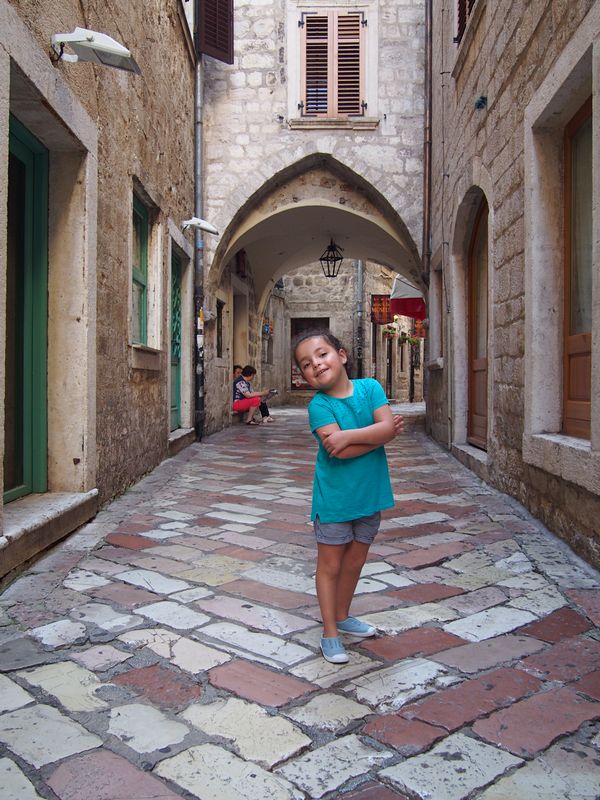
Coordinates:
x,y
361,530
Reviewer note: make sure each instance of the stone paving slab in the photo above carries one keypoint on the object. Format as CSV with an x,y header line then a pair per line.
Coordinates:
x,y
170,648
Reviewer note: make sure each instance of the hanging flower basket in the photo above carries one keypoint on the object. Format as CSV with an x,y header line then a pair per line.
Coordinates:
x,y
389,332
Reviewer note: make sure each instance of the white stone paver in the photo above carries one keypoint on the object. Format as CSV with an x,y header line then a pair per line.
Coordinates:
x,y
240,540
255,735
153,581
540,601
191,656
473,602
40,735
257,646
230,516
215,570
517,563
452,770
390,688
61,633
72,685
282,580
190,595
326,768
490,623
564,772
174,615
242,508
403,619
105,617
324,674
212,773
374,568
330,712
144,728
15,786
82,579
254,615
101,657
415,519
368,585
12,696
179,516
525,583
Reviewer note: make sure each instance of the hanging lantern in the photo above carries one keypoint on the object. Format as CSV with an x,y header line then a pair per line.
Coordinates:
x,y
331,260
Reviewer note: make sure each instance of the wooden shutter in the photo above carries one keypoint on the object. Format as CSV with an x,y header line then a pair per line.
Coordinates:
x,y
214,20
348,63
577,368
316,66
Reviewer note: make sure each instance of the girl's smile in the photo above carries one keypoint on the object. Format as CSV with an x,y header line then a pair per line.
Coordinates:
x,y
323,366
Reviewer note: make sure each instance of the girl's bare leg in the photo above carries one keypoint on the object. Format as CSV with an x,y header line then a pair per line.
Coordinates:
x,y
353,561
329,561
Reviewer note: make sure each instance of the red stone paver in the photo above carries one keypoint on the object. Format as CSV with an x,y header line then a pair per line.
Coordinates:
x,y
102,775
419,641
124,595
243,553
561,624
590,685
458,705
121,555
373,791
490,653
533,724
278,598
588,600
415,530
166,688
426,592
566,660
427,556
408,736
258,683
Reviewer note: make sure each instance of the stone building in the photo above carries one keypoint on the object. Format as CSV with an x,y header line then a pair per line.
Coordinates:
x,y
514,362
314,133
96,176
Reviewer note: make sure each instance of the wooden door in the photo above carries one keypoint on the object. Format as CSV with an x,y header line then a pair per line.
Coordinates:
x,y
477,420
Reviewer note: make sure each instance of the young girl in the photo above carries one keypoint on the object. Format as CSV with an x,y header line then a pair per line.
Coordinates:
x,y
351,421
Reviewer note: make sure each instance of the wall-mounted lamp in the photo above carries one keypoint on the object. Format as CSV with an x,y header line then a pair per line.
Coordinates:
x,y
200,224
331,260
95,47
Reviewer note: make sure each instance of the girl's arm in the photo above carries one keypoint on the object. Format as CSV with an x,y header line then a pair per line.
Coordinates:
x,y
357,441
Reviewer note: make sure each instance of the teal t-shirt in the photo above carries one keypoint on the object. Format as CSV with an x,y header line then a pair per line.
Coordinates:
x,y
349,488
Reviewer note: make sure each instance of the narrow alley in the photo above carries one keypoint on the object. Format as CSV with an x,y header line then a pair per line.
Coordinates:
x,y
169,648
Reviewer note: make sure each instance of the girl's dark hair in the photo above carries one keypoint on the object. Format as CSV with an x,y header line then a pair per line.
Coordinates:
x,y
248,370
326,334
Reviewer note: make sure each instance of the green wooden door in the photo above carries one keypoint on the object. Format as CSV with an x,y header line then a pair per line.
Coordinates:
x,y
175,420
25,405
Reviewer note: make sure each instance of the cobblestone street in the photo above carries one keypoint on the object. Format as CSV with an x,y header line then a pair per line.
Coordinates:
x,y
170,647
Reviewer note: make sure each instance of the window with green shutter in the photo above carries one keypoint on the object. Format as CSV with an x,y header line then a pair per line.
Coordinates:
x,y
139,273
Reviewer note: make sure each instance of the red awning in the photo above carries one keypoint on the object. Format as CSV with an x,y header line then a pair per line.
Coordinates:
x,y
406,300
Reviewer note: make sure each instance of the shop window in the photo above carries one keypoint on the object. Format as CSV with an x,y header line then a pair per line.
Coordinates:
x,y
220,311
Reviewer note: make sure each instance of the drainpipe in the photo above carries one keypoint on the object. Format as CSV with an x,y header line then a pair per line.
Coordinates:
x,y
198,256
426,249
360,334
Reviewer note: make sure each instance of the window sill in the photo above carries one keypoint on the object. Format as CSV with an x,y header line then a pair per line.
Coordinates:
x,y
345,123
566,456
144,357
468,36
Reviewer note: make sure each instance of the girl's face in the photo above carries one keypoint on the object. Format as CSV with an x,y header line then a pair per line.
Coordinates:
x,y
322,365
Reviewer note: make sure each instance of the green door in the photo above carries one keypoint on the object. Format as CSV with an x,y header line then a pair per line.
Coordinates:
x,y
175,421
25,405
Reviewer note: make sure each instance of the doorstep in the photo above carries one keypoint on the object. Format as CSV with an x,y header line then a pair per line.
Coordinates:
x,y
35,522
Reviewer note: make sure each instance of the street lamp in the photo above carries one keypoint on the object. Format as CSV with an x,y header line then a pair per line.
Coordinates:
x,y
331,260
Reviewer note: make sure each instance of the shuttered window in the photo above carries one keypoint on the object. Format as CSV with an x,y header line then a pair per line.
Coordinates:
x,y
463,11
578,274
215,29
333,64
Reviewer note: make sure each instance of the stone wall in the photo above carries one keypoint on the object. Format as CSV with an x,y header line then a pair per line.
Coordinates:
x,y
145,141
509,49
